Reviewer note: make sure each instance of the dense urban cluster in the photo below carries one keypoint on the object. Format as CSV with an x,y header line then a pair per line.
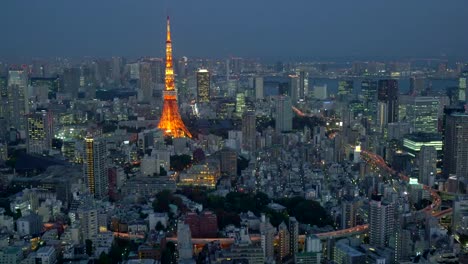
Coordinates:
x,y
237,160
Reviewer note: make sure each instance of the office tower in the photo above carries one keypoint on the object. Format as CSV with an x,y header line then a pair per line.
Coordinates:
x,y
39,132
240,104
284,114
145,89
312,253
293,235
228,161
294,88
345,89
267,233
427,159
184,242
258,85
284,244
369,93
388,94
462,84
3,105
421,112
171,123
116,70
460,213
456,145
417,85
303,85
349,210
71,82
17,99
249,132
381,222
203,86
95,169
320,92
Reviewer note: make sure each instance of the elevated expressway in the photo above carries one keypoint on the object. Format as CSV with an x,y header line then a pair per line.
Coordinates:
x,y
379,162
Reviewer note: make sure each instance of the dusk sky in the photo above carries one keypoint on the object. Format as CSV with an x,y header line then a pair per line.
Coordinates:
x,y
220,28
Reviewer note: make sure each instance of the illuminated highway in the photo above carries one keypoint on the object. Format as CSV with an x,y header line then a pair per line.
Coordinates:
x,y
379,162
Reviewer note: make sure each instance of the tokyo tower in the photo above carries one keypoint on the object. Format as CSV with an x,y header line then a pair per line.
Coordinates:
x,y
171,122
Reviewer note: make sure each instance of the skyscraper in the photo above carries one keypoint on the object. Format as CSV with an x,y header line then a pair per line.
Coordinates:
x,y
427,159
294,88
456,145
369,92
293,235
171,123
145,92
284,242
95,168
284,114
240,104
203,86
249,132
421,112
267,232
17,99
388,94
381,222
303,85
462,84
345,88
71,81
258,85
40,132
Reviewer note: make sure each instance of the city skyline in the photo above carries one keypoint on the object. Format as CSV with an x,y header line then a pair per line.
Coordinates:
x,y
309,29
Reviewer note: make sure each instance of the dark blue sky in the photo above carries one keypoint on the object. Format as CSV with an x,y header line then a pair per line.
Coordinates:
x,y
253,28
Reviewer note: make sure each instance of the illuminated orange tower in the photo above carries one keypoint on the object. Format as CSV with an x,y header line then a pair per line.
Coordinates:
x,y
171,122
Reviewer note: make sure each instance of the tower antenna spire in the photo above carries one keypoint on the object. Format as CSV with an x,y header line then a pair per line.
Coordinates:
x,y
171,122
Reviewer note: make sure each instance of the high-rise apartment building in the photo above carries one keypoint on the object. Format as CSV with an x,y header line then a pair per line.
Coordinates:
x,y
39,132
293,236
284,114
95,168
284,244
381,222
203,86
184,242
